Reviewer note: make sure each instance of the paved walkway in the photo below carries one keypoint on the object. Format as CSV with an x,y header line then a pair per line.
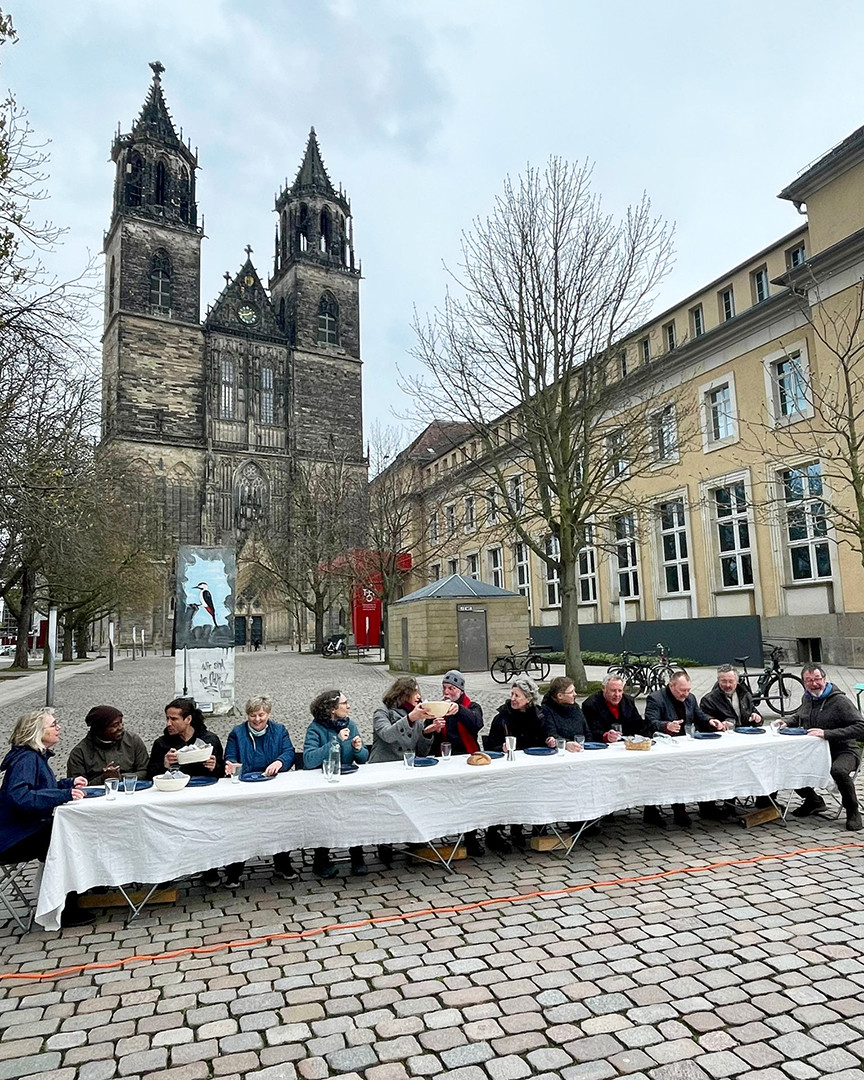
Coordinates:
x,y
752,968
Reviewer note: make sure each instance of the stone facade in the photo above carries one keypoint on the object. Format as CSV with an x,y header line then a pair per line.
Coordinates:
x,y
214,415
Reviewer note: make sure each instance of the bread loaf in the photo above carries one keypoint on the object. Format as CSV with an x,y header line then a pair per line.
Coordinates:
x,y
479,758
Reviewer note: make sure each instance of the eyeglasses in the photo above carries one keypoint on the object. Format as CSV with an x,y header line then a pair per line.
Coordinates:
x,y
342,701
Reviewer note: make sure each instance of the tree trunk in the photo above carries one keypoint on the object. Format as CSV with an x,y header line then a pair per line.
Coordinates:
x,y
570,626
67,641
81,641
319,623
25,616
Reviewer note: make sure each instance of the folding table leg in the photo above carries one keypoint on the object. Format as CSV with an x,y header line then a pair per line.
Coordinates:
x,y
574,837
136,909
439,858
782,810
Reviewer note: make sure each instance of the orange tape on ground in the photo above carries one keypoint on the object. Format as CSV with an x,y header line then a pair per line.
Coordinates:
x,y
410,916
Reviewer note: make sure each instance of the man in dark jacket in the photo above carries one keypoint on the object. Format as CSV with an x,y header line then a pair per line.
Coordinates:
x,y
612,706
828,714
730,701
670,711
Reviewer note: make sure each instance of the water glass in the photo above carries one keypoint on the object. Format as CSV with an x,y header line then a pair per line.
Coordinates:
x,y
689,730
408,758
560,744
236,772
130,783
580,739
510,744
111,785
446,750
618,728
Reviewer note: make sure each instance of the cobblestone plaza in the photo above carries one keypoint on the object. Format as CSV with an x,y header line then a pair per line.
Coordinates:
x,y
724,953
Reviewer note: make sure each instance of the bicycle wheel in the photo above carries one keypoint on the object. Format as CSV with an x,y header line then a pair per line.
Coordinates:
x,y
503,669
633,678
782,693
659,675
537,667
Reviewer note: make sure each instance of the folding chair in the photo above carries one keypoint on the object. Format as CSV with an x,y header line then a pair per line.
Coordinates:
x,y
12,885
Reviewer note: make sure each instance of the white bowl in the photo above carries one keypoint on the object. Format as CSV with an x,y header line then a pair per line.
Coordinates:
x,y
189,755
436,708
171,783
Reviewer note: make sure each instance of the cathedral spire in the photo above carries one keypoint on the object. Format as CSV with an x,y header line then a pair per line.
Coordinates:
x,y
154,120
312,175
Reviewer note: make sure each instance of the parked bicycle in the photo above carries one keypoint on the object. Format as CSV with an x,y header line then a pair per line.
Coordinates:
x,y
530,662
779,689
643,672
335,645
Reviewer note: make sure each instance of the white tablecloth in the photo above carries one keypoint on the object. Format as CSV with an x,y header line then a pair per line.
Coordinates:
x,y
154,836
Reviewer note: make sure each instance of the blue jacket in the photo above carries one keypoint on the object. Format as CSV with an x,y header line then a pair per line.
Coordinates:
x,y
28,794
256,753
320,736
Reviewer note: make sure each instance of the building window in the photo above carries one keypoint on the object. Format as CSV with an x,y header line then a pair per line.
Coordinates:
x,y
472,564
267,409
491,506
669,336
622,364
645,349
625,551
727,304
523,570
759,280
587,569
227,388
732,529
134,180
553,577
160,189
616,453
790,387
183,193
673,541
328,321
795,256
435,571
496,567
697,321
450,518
112,283
517,497
665,440
160,284
718,409
452,566
806,523
433,529
469,525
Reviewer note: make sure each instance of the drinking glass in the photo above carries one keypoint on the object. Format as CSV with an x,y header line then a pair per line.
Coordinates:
x,y
236,772
408,758
580,739
111,785
510,743
560,743
446,750
689,730
618,728
335,759
130,783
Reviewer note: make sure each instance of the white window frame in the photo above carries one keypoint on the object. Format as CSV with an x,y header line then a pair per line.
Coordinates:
x,y
453,566
433,528
726,303
669,336
709,443
658,425
435,571
761,283
491,506
495,557
552,576
522,563
470,521
472,565
680,561
450,518
697,321
645,349
740,554
806,511
625,562
616,454
516,490
797,255
797,350
586,568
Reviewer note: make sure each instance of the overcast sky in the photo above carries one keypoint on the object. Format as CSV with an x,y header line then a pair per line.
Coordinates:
x,y
422,107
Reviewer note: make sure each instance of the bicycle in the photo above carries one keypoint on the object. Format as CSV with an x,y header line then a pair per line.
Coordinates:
x,y
641,675
506,666
774,685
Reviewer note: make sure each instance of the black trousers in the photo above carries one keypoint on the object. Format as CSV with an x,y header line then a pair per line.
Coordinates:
x,y
34,846
842,768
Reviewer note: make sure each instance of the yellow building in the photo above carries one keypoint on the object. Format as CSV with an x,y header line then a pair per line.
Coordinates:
x,y
740,513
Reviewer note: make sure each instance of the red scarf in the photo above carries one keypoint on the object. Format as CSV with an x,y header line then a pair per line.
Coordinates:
x,y
468,740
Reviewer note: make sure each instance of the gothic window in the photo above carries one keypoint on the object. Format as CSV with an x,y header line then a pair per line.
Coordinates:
x,y
282,312
328,320
134,180
302,243
326,230
160,284
112,281
227,388
267,410
183,193
251,499
283,238
160,189
181,507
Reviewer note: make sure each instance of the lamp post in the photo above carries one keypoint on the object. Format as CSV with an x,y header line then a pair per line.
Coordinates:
x,y
111,645
52,650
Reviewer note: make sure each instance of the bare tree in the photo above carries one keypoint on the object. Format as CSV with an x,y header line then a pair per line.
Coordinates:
x,y
525,350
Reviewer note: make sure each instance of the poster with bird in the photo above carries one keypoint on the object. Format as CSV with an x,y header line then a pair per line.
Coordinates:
x,y
204,626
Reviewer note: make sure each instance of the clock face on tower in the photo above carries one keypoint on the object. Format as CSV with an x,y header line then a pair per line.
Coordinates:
x,y
247,314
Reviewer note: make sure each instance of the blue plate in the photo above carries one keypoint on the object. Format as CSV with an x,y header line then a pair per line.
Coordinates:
x,y
540,751
595,746
749,730
348,769
793,730
707,735
202,781
493,754
248,778
93,792
424,762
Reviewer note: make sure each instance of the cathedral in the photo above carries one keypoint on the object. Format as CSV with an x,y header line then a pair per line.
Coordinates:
x,y
216,415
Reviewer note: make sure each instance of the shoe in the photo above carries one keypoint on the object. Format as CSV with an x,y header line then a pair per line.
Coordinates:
x,y
496,842
652,815
517,837
713,812
74,916
385,854
210,877
809,806
682,818
359,869
474,848
286,872
232,880
324,870
854,822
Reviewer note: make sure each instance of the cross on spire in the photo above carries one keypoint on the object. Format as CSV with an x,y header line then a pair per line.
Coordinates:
x,y
248,251
227,277
158,67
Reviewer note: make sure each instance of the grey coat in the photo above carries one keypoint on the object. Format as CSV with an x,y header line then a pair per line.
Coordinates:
x,y
837,716
393,735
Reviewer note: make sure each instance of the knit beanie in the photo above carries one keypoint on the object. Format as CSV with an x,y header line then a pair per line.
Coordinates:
x,y
100,716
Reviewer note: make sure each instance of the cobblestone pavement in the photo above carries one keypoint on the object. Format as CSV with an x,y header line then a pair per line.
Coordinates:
x,y
750,969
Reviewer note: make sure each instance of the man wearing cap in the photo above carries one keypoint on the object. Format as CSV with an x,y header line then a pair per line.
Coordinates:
x,y
107,749
460,727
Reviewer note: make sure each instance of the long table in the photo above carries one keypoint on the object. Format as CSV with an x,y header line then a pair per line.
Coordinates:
x,y
153,836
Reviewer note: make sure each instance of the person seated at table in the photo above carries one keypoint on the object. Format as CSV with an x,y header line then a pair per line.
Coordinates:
x,y
28,795
262,745
609,706
729,700
565,717
107,749
525,719
331,725
399,723
828,714
669,711
184,726
461,726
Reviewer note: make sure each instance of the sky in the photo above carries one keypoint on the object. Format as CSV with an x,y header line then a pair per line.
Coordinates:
x,y
422,110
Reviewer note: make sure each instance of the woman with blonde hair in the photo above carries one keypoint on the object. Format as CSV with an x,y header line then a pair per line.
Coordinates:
x,y
29,793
